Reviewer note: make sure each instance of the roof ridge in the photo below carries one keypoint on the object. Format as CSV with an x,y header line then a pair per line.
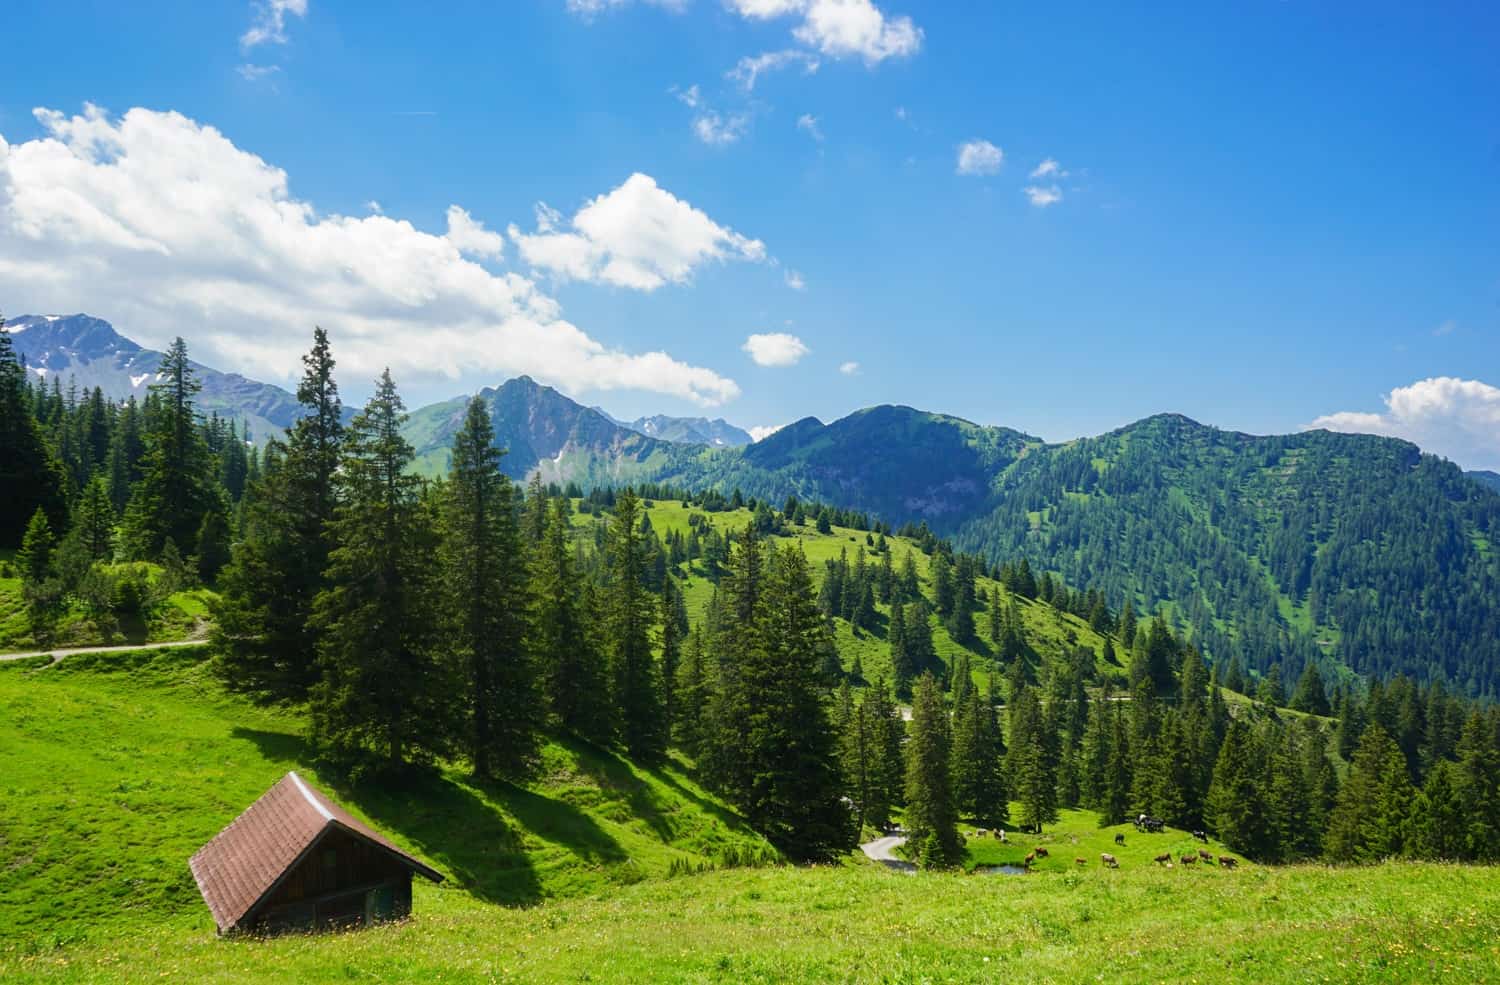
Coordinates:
x,y
307,794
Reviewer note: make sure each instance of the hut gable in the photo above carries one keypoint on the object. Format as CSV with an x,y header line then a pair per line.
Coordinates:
x,y
296,858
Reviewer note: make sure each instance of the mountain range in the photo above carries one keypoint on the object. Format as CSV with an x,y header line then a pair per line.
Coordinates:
x,y
1355,551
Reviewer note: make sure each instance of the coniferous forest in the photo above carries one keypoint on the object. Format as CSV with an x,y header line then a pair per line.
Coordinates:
x,y
465,619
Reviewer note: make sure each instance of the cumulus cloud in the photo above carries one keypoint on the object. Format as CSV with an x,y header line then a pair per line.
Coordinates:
x,y
255,73
841,28
469,235
775,349
794,281
850,368
809,123
164,226
639,235
1458,419
979,157
1049,168
1043,195
689,97
268,25
761,431
748,70
720,131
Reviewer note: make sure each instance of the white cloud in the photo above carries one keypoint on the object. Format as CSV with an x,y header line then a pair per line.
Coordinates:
x,y
775,349
1458,419
841,28
794,281
748,70
269,23
589,9
809,123
1049,168
689,97
1446,328
373,206
164,226
902,114
720,131
469,235
254,73
761,431
639,235
1041,196
979,157
850,368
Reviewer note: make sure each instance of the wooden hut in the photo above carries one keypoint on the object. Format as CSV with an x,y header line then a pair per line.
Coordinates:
x,y
296,860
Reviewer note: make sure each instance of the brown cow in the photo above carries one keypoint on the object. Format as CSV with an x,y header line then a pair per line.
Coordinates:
x,y
1205,855
1109,860
1041,852
1188,859
1227,862
1163,857
1081,861
1030,857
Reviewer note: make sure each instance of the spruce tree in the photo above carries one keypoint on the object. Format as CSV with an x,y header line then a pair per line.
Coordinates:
x,y
1236,806
1031,763
487,598
931,816
572,666
384,695
1310,695
1368,818
630,616
31,478
793,790
890,767
266,635
1437,827
690,697
35,556
94,521
178,483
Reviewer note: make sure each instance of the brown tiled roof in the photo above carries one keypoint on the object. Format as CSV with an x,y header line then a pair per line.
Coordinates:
x,y
244,861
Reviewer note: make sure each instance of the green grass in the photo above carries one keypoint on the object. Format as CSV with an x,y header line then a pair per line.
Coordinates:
x,y
118,767
184,615
1077,835
1396,923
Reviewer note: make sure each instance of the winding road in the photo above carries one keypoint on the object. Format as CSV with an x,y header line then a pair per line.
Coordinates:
x,y
59,654
882,851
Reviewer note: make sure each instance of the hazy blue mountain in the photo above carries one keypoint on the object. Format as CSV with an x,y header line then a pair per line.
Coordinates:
x,y
88,352
1491,479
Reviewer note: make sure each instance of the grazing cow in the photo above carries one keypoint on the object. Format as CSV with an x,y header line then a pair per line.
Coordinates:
x,y
1109,860
1001,836
1227,862
1188,859
1041,852
1205,856
1030,858
1120,838
1081,861
1201,836
982,833
1164,857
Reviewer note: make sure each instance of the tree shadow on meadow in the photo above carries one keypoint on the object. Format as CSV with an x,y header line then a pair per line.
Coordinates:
x,y
450,824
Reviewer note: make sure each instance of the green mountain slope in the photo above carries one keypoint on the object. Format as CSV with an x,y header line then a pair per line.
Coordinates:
x,y
1352,547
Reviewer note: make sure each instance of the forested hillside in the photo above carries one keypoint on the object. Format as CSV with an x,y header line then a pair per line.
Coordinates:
x,y
1311,546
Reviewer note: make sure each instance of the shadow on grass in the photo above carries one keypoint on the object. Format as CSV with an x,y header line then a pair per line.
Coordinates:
x,y
450,824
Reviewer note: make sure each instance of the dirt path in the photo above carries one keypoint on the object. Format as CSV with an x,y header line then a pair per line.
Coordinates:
x,y
59,654
882,849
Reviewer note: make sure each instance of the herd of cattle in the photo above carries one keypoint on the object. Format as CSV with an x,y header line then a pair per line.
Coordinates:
x,y
1144,823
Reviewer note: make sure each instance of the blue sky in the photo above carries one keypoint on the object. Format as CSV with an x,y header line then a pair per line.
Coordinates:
x,y
1261,217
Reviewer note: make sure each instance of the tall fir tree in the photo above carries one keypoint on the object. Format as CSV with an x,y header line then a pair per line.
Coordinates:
x,y
487,598
931,818
385,695
266,633
31,477
630,617
1368,820
571,662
